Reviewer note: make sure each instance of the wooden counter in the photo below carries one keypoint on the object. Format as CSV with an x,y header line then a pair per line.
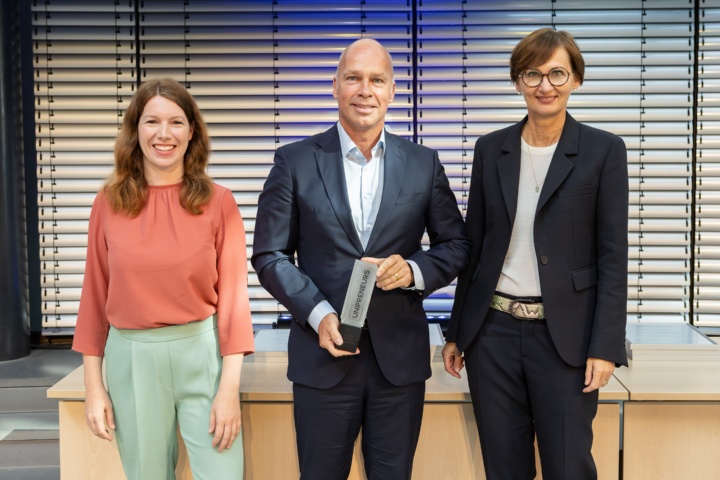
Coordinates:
x,y
449,447
672,381
672,421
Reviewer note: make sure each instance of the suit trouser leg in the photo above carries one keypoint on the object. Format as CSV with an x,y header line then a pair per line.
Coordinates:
x,y
520,386
501,402
391,424
563,413
328,421
152,374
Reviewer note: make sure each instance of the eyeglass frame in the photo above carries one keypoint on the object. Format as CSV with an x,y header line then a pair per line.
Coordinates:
x,y
543,75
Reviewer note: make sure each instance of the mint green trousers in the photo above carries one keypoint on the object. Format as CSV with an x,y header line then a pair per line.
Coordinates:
x,y
161,378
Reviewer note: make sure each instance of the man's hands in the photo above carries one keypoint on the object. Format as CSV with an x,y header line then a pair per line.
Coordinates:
x,y
329,336
394,272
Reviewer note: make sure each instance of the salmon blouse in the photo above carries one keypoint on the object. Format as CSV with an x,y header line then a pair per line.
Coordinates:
x,y
165,267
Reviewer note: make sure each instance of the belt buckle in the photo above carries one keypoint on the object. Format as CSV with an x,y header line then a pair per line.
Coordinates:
x,y
520,309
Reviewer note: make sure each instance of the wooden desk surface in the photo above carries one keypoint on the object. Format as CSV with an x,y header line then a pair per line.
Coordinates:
x,y
264,375
671,381
71,387
267,382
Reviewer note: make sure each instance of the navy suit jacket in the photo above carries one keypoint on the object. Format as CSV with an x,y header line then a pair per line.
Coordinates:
x,y
304,212
580,235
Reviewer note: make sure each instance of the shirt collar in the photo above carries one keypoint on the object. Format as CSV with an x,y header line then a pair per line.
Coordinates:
x,y
346,144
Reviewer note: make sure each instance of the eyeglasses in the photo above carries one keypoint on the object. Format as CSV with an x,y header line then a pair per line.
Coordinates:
x,y
557,77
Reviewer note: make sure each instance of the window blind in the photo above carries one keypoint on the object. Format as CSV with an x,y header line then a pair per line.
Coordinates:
x,y
706,280
85,72
261,71
638,84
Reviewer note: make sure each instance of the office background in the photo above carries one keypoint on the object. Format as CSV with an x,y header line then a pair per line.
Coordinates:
x,y
261,72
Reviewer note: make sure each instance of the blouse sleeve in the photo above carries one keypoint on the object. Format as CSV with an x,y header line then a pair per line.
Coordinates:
x,y
233,306
92,325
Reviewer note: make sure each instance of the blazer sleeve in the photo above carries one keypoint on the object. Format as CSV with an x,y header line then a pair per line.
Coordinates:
x,y
449,244
475,226
608,330
276,240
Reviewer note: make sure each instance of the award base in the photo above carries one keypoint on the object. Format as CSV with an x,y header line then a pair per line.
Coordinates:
x,y
351,337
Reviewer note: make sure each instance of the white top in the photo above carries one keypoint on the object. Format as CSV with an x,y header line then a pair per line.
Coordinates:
x,y
520,276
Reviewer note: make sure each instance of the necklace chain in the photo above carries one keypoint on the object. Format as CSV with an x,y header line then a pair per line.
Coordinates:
x,y
532,168
526,135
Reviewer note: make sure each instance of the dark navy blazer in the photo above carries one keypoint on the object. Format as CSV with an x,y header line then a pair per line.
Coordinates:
x,y
580,235
304,215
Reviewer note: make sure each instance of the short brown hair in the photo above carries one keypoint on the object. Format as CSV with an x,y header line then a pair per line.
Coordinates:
x,y
539,46
127,188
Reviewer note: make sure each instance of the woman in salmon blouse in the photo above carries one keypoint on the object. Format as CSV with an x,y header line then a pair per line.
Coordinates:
x,y
164,297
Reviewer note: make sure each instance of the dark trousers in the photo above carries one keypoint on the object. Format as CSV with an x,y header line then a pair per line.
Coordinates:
x,y
327,423
521,388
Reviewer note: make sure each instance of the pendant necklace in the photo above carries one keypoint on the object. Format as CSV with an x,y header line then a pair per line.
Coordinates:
x,y
532,168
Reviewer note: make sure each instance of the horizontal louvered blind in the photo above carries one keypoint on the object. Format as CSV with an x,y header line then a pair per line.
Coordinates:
x,y
85,73
706,281
638,84
261,71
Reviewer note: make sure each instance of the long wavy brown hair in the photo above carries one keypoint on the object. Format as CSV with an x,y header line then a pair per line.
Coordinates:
x,y
127,188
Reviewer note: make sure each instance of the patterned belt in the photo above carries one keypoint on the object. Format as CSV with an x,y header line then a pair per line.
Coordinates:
x,y
522,309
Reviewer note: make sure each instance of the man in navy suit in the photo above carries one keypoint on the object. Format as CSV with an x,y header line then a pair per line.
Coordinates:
x,y
358,191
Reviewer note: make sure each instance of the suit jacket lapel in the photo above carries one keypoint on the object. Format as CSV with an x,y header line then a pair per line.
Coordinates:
x,y
330,164
508,168
560,165
395,161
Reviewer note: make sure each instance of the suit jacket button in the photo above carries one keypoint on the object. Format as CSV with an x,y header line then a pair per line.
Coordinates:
x,y
544,260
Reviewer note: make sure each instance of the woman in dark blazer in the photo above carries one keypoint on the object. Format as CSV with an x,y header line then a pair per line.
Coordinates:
x,y
539,315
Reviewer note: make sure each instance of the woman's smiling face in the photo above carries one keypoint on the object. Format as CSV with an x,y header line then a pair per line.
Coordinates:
x,y
163,134
547,100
